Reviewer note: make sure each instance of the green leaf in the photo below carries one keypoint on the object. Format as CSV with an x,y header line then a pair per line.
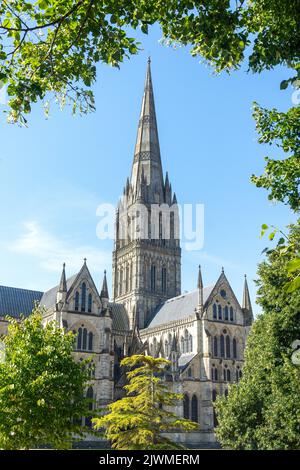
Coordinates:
x,y
284,84
272,235
293,285
293,265
43,4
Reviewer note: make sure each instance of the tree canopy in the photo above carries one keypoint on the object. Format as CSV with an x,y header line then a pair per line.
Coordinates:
x,y
54,45
262,411
42,388
138,420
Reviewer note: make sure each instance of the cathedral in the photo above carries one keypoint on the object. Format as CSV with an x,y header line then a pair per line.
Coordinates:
x,y
202,332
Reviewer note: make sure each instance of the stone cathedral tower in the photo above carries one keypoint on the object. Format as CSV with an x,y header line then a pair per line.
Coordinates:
x,y
147,254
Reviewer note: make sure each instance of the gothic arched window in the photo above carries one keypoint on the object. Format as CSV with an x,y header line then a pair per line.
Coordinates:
x,y
234,348
220,312
214,311
121,282
155,346
167,352
186,407
90,341
127,278
160,226
228,375
231,314
153,278
227,346
77,301
226,313
89,396
83,296
222,346
224,375
79,338
84,339
186,341
172,231
90,302
131,276
194,409
182,344
215,340
164,280
190,343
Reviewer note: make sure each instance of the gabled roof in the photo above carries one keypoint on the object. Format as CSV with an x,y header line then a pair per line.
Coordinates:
x,y
178,308
49,298
14,301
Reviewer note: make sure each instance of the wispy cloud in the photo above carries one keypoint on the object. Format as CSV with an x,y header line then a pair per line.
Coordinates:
x,y
50,251
216,260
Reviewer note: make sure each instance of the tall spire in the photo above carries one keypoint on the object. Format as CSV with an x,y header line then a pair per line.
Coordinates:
x,y
63,281
246,298
200,289
104,290
147,151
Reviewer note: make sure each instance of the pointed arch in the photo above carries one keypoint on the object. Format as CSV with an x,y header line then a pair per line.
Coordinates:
x,y
219,312
90,397
222,346
194,409
90,303
76,307
79,338
83,296
164,279
215,346
214,311
84,339
226,313
234,348
90,346
227,346
186,406
153,278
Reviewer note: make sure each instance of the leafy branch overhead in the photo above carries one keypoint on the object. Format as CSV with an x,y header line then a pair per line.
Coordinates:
x,y
286,245
52,46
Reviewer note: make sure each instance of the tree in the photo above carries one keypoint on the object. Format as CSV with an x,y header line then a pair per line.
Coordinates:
x,y
41,386
262,411
138,420
54,45
49,49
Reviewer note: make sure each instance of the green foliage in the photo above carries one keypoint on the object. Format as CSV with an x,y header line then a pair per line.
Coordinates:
x,y
262,411
41,386
281,176
53,46
137,420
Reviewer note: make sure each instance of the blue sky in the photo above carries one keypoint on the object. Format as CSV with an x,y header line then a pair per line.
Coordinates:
x,y
55,173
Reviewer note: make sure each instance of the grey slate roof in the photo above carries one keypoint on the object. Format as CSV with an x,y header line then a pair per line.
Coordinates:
x,y
15,301
185,359
49,298
178,308
120,317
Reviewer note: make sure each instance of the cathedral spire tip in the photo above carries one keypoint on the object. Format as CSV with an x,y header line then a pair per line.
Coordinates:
x,y
104,290
63,281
